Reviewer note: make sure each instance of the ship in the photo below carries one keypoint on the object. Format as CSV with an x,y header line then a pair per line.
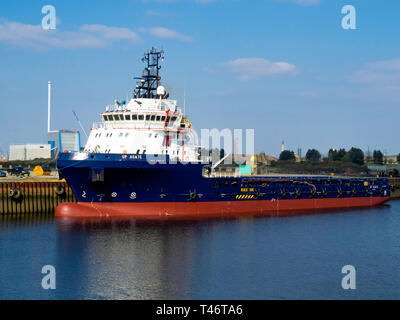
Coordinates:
x,y
143,160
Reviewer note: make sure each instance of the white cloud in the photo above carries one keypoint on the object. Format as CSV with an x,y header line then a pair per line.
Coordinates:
x,y
249,68
112,33
164,33
87,36
378,72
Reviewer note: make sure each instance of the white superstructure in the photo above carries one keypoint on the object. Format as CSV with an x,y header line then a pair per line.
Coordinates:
x,y
144,126
149,123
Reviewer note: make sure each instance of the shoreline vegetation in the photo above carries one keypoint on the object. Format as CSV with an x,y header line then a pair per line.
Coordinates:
x,y
352,162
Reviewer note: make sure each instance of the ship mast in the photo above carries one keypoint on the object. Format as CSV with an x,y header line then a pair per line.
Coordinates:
x,y
148,83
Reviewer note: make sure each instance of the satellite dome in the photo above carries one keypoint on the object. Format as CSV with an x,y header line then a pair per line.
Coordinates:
x,y
160,91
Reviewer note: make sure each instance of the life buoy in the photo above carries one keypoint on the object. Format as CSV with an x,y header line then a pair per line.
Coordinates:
x,y
14,193
59,190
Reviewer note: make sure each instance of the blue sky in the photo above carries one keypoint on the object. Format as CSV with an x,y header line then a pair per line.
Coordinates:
x,y
283,67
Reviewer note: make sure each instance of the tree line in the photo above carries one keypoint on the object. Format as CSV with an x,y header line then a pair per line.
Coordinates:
x,y
354,155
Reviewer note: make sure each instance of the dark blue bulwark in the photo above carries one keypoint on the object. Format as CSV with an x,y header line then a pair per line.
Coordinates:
x,y
151,178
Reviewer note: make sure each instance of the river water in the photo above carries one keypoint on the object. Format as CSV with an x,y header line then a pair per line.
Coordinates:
x,y
294,257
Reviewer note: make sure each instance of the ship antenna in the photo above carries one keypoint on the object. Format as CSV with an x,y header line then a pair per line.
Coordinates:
x,y
148,83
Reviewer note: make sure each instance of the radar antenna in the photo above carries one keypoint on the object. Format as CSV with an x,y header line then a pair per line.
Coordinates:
x,y
148,83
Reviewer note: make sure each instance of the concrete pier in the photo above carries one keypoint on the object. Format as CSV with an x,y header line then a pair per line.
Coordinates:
x,y
33,197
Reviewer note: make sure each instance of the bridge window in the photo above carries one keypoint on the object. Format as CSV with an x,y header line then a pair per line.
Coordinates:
x,y
116,117
158,118
105,118
128,117
147,117
153,117
121,117
134,117
163,118
121,134
141,117
126,134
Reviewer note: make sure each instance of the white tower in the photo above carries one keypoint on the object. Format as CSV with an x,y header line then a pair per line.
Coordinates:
x,y
48,105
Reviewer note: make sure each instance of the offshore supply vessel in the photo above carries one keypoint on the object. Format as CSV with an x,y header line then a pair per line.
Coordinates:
x,y
143,160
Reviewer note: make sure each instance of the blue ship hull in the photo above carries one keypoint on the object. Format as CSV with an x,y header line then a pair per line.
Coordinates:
x,y
147,185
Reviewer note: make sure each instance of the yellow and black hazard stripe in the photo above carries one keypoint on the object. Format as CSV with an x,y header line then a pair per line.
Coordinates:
x,y
244,196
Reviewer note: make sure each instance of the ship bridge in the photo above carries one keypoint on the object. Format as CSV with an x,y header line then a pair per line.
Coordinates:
x,y
149,123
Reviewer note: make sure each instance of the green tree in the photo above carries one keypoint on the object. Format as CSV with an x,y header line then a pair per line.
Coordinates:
x,y
341,153
378,157
287,155
313,155
332,154
356,156
345,159
336,155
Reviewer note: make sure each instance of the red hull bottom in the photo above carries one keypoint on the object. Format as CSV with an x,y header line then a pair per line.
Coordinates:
x,y
210,209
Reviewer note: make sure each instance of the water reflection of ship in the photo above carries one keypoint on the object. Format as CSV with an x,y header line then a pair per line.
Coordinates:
x,y
126,259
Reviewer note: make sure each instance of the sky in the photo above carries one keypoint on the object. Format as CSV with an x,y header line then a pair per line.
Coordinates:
x,y
285,68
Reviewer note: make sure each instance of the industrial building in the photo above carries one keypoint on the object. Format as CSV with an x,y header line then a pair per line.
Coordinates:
x,y
29,151
64,141
58,141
